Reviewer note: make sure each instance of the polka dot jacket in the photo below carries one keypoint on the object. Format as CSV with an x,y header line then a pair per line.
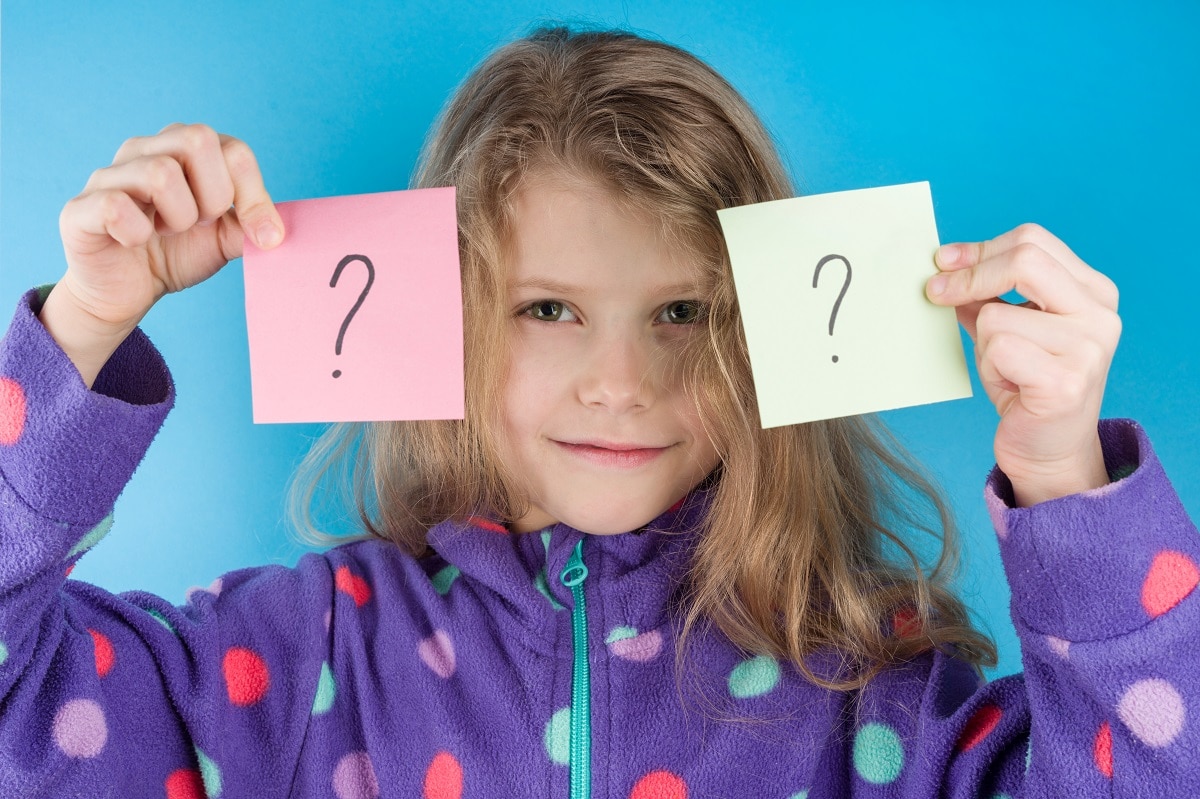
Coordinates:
x,y
364,673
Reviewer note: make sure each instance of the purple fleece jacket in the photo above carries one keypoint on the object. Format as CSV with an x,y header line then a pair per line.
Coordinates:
x,y
365,673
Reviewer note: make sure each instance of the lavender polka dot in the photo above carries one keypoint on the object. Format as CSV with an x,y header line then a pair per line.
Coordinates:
x,y
437,652
354,777
214,589
1059,646
328,619
1153,711
80,729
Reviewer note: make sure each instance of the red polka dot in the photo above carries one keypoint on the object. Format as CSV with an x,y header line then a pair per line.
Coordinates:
x,y
105,655
185,783
70,569
353,585
487,524
246,676
906,623
1102,750
12,411
979,727
677,505
444,778
1172,576
659,785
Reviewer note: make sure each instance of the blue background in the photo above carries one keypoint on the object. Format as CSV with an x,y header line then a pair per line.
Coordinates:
x,y
1084,121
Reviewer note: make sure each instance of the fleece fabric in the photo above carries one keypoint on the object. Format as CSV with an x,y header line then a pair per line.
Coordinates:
x,y
363,672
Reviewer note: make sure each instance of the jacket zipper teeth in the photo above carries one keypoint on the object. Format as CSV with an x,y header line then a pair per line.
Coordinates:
x,y
573,575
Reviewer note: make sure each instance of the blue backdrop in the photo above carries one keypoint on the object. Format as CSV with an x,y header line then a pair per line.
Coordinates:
x,y
1082,121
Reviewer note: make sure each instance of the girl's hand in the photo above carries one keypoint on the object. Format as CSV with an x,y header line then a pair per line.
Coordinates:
x,y
170,211
1043,363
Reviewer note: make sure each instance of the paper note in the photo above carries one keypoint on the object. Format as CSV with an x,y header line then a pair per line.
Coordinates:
x,y
832,295
357,316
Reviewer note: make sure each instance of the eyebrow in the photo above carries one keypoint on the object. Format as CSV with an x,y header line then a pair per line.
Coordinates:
x,y
557,287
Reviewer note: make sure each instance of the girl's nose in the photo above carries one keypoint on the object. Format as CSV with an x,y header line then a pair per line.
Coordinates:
x,y
616,376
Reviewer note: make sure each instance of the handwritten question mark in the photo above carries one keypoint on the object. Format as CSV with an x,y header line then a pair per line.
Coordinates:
x,y
361,297
841,295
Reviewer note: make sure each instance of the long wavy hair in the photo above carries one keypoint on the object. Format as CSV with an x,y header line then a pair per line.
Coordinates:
x,y
806,546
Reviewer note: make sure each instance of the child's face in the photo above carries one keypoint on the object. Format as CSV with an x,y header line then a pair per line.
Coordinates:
x,y
596,421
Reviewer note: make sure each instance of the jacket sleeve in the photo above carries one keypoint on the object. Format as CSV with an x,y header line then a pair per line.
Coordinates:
x,y
1104,602
104,695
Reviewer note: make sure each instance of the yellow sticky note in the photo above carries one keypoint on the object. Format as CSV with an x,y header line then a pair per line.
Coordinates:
x,y
832,294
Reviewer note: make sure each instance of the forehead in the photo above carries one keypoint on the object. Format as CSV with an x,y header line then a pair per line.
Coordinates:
x,y
569,229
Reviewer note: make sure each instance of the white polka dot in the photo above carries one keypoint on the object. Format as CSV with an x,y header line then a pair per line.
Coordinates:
x,y
1058,646
80,729
1153,711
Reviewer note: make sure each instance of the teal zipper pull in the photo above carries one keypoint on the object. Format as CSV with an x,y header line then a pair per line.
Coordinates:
x,y
573,575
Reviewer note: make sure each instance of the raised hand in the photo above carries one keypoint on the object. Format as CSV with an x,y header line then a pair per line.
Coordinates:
x,y
170,211
1044,362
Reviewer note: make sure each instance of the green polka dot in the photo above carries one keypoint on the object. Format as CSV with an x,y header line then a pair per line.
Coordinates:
x,y
546,540
1001,796
3,653
93,537
444,578
1121,472
799,795
540,583
161,619
210,774
326,691
878,754
558,737
754,677
621,634
1028,755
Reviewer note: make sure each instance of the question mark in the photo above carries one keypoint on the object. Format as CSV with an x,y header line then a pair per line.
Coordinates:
x,y
845,286
333,283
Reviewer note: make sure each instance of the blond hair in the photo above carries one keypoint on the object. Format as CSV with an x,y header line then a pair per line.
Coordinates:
x,y
800,551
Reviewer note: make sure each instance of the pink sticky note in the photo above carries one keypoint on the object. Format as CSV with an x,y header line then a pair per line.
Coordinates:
x,y
385,341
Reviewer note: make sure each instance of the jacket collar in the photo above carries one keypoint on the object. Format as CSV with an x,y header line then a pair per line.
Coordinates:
x,y
636,575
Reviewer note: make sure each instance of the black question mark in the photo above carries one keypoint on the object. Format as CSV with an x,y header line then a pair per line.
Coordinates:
x,y
361,297
845,286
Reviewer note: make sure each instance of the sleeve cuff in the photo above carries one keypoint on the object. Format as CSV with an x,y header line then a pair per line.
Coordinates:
x,y
66,451
1104,562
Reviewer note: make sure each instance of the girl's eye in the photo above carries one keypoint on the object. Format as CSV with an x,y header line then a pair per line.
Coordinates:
x,y
682,312
549,311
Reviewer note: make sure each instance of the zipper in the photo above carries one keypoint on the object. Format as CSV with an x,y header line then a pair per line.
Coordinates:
x,y
573,575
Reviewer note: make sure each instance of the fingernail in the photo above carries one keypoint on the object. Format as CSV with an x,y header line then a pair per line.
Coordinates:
x,y
268,235
937,285
948,254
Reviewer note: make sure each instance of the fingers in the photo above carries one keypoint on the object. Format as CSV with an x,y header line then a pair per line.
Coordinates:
x,y
1028,259
189,174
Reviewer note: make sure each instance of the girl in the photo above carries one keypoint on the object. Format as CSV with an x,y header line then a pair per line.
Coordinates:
x,y
607,579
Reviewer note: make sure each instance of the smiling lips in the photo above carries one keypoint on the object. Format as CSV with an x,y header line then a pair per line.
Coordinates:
x,y
604,453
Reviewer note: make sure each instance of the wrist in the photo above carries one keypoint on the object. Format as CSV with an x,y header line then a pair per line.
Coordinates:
x,y
1085,474
88,341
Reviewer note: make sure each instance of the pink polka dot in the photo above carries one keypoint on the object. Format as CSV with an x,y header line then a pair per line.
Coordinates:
x,y
1059,646
1153,711
437,652
350,583
659,785
106,656
80,729
640,648
979,727
185,783
1102,750
12,411
246,676
354,777
444,778
1171,577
